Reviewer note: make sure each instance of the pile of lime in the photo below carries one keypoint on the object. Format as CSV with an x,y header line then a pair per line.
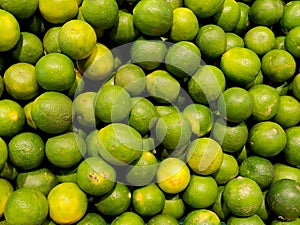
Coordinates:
x,y
132,112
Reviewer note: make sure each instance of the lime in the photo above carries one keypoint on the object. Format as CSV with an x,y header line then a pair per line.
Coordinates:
x,y
260,39
21,10
204,156
291,150
148,200
206,84
58,11
119,143
201,192
55,72
21,81
52,112
172,175
65,150
26,206
211,40
266,13
243,196
202,216
10,30
50,40
258,169
12,118
77,39
28,49
265,100
278,65
296,86
67,203
288,113
283,199
204,9
2,87
27,110
292,42
162,219
250,220
132,78
3,153
244,20
95,176
200,117
92,219
280,222
233,40
102,14
284,171
290,16
240,65
114,202
128,218
174,206
153,17
266,138
6,190
112,104
92,144
185,25
183,59
280,42
219,207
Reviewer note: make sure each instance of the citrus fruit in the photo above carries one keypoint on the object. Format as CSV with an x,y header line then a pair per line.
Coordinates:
x,y
211,40
266,13
201,216
174,206
102,14
176,3
143,115
260,39
95,176
148,200
172,175
280,42
288,113
28,49
283,199
124,31
242,196
162,86
263,212
265,100
231,137
6,190
250,220
10,30
233,40
12,118
21,81
290,16
292,42
77,39
240,65
50,40
119,143
166,109
58,11
115,202
183,59
200,117
201,192
185,25
132,78
153,17
296,86
204,9
280,222
278,65
128,218
266,138
228,15
92,219
21,10
26,150
112,104
235,104
291,150
148,54
92,144
161,219
28,204
65,150
98,65
204,156
284,171
258,169
67,203
206,84
2,86
219,207
3,153
244,21
27,110
228,170
52,112
42,180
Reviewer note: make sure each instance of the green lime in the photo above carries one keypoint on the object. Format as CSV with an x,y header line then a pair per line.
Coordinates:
x,y
296,86
92,144
27,110
291,150
92,219
6,190
174,206
3,153
162,219
202,216
204,9
290,16
244,20
284,171
21,10
280,42
292,42
50,40
233,40
128,218
250,220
